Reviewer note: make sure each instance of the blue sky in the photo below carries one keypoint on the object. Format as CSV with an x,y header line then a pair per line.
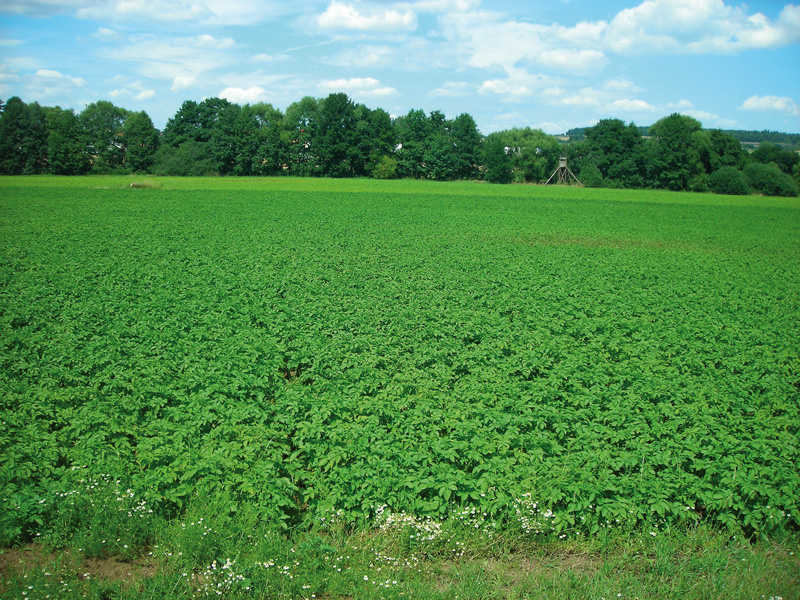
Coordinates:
x,y
551,65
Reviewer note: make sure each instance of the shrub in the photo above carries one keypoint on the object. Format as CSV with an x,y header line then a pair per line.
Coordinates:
x,y
728,180
189,159
770,180
591,176
385,168
699,183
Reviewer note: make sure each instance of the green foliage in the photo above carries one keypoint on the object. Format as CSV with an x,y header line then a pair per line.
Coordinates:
x,y
65,147
141,141
102,125
728,180
534,154
497,160
767,153
23,138
385,168
259,347
770,180
188,159
591,176
676,158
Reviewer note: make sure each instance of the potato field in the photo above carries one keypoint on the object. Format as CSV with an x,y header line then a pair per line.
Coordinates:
x,y
553,361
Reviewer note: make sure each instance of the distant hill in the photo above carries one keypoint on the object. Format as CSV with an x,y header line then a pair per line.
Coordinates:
x,y
746,137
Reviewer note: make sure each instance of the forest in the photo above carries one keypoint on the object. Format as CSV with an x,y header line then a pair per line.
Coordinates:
x,y
336,137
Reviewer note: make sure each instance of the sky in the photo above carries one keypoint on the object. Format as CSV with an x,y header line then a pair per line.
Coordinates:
x,y
551,65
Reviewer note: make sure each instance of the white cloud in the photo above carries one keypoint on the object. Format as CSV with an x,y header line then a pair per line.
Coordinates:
x,y
182,82
251,95
680,105
50,77
341,15
184,61
8,43
6,76
627,105
146,94
41,8
445,6
620,85
451,88
366,56
699,27
269,58
771,104
105,33
357,86
550,127
209,41
143,10
568,59
216,12
586,97
505,88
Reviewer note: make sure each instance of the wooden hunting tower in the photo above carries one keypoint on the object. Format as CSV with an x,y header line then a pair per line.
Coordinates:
x,y
563,175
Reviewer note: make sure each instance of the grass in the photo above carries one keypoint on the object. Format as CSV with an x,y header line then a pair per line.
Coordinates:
x,y
113,295
257,563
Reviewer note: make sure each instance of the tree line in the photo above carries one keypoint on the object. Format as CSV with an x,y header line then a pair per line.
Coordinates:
x,y
336,137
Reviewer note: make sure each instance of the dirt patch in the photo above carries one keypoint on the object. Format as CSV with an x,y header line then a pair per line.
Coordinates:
x,y
112,569
18,561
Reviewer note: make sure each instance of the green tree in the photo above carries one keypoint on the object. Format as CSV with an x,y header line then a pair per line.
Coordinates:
x,y
23,138
612,148
299,127
534,154
335,140
725,151
141,140
467,142
676,159
65,147
102,124
496,160
440,158
270,157
381,141
770,153
413,132
220,120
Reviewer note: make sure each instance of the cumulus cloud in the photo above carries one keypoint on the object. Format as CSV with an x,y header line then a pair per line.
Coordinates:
x,y
341,15
182,82
505,88
771,104
357,86
699,27
627,105
251,95
451,88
